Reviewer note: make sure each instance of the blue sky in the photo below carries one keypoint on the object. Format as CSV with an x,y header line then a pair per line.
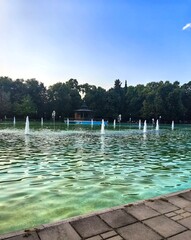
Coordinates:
x,y
96,41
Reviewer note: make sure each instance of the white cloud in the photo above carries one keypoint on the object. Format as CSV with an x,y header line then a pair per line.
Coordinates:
x,y
188,25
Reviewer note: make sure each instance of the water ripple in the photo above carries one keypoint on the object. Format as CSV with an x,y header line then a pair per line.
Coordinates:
x,y
55,175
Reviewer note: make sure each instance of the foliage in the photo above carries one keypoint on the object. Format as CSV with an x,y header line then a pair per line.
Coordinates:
x,y
164,100
25,107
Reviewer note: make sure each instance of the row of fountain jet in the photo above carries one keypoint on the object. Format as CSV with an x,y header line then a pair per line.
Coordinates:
x,y
144,126
27,129
157,125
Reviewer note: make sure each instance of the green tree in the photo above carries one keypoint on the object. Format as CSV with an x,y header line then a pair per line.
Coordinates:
x,y
59,99
186,100
25,107
74,92
134,98
5,104
115,101
37,92
95,98
5,96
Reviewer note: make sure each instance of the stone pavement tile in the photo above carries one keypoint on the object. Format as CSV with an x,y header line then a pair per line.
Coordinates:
x,y
108,234
138,231
188,209
11,234
185,215
90,226
179,201
59,232
27,236
117,218
182,236
176,218
179,211
21,234
186,195
164,226
186,222
161,206
115,238
170,214
95,238
141,211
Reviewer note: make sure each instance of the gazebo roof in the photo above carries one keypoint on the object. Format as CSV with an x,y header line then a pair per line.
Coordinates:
x,y
84,108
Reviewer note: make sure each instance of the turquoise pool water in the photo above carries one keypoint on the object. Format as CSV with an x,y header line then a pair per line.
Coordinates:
x,y
58,173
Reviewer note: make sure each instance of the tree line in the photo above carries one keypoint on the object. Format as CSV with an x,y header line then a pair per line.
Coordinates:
x,y
164,100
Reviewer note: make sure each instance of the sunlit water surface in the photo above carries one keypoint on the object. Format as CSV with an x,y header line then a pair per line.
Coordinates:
x,y
55,174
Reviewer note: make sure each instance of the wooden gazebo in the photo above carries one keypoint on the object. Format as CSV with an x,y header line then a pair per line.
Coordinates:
x,y
83,113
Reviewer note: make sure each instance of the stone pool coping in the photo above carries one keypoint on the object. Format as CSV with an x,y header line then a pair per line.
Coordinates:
x,y
163,217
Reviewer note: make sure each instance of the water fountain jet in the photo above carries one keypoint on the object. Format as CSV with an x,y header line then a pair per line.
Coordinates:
x,y
14,121
67,122
92,123
53,118
102,127
42,122
172,125
145,126
139,124
114,123
27,129
157,125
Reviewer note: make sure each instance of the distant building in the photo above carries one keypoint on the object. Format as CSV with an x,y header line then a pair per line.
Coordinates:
x,y
83,113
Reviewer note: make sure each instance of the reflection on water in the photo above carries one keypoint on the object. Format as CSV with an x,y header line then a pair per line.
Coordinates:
x,y
51,175
102,143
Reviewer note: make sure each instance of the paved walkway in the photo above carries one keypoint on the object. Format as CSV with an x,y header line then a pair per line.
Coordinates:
x,y
166,217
